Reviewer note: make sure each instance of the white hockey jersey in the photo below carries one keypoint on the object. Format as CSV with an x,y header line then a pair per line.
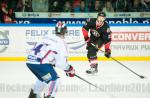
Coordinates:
x,y
51,50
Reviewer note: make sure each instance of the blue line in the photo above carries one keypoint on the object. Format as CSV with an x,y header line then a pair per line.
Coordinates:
x,y
77,25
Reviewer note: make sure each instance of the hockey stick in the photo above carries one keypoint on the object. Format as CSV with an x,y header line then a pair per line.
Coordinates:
x,y
142,77
94,86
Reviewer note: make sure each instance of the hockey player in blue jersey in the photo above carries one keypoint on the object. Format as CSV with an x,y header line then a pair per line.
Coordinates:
x,y
50,52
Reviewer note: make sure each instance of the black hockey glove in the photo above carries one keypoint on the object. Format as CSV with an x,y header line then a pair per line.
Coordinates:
x,y
107,53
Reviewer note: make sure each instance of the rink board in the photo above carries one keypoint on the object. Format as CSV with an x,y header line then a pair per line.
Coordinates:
x,y
132,43
128,42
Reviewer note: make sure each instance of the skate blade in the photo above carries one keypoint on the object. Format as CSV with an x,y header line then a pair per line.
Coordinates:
x,y
92,74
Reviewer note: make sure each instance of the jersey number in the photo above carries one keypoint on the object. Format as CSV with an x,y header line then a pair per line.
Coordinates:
x,y
37,49
95,33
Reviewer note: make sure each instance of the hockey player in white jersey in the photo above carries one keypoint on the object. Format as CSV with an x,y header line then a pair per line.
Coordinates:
x,y
50,52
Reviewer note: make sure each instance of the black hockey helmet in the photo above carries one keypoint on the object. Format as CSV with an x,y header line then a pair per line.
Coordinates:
x,y
101,14
60,28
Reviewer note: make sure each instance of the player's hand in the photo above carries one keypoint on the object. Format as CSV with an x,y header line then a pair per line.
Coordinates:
x,y
70,72
107,53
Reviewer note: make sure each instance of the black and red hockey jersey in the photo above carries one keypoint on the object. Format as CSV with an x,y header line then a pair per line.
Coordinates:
x,y
97,32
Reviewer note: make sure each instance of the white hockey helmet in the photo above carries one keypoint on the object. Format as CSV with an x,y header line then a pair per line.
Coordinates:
x,y
60,28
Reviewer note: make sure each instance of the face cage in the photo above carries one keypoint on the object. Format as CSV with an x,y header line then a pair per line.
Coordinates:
x,y
100,19
62,31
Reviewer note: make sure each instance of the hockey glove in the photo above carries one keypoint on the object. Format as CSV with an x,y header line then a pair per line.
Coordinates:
x,y
88,40
107,53
70,72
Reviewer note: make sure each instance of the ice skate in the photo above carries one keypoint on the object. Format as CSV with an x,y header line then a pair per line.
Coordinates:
x,y
32,95
48,96
92,70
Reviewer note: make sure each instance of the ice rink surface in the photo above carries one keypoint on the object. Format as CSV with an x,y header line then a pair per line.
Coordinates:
x,y
16,80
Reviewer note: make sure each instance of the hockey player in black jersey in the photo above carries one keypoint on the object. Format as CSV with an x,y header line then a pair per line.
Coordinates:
x,y
100,34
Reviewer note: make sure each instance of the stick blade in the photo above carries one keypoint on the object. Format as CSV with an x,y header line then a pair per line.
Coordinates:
x,y
142,77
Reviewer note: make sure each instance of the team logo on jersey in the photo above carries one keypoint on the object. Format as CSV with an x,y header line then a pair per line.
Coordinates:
x,y
95,33
4,41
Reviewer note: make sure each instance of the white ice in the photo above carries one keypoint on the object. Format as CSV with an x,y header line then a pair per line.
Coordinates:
x,y
16,80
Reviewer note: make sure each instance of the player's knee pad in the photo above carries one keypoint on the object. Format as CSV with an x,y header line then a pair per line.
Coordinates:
x,y
48,77
92,54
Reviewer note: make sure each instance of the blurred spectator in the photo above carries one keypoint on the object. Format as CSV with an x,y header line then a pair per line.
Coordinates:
x,y
7,14
76,3
96,7
20,6
146,5
108,7
120,5
4,7
136,6
56,5
81,7
10,3
13,4
28,6
3,10
10,17
102,3
40,5
89,4
67,7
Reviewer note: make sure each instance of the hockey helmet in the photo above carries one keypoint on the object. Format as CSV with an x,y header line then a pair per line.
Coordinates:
x,y
101,16
60,28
